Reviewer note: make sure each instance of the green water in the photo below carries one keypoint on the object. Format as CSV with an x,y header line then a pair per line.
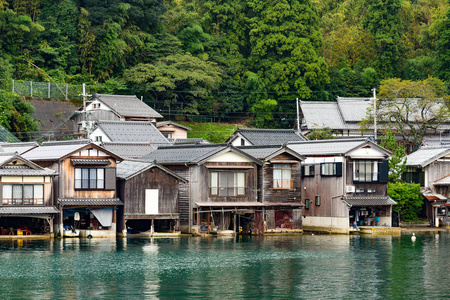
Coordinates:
x,y
307,267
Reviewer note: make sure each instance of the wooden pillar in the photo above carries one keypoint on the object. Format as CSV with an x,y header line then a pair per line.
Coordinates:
x,y
234,223
153,226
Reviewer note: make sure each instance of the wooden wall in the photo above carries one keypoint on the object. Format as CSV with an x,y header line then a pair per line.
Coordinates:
x,y
134,192
380,187
271,195
435,171
184,206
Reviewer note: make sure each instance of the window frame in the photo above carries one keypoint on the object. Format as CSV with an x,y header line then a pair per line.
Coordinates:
x,y
334,171
311,170
374,171
282,180
29,201
239,190
83,181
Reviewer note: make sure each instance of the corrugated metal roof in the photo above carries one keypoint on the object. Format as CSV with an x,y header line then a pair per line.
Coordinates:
x,y
90,162
127,106
89,201
326,147
370,201
426,155
28,210
130,150
265,137
183,153
132,132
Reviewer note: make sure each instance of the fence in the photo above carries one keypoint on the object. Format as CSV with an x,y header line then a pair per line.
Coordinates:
x,y
48,89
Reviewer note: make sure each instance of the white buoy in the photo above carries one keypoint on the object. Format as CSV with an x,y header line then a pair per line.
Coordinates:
x,y
413,238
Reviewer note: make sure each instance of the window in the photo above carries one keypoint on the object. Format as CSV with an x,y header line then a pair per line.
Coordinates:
x,y
371,191
89,179
414,175
98,138
308,171
365,170
23,194
282,176
242,142
317,200
227,183
307,203
359,191
167,134
331,169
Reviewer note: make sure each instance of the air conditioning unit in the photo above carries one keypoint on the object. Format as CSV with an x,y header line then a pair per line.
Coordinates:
x,y
349,188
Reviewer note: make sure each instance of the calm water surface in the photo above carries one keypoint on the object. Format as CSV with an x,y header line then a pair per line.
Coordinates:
x,y
319,267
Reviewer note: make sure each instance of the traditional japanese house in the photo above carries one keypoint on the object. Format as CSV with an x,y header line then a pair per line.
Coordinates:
x,y
279,187
173,130
264,137
344,182
151,198
221,195
27,197
430,167
86,186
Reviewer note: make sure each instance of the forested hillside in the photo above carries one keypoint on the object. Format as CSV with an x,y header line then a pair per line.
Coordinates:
x,y
225,59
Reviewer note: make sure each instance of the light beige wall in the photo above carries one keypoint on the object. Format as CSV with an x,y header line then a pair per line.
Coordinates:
x,y
177,132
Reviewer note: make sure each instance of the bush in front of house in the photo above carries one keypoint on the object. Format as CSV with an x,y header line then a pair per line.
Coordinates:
x,y
408,198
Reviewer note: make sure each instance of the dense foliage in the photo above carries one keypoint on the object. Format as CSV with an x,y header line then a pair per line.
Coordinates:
x,y
409,199
227,59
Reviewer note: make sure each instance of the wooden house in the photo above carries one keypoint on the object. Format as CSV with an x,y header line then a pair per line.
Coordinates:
x,y
151,198
343,182
221,193
86,186
264,137
27,196
279,187
430,167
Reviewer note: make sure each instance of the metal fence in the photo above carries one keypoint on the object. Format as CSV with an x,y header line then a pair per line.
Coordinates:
x,y
48,89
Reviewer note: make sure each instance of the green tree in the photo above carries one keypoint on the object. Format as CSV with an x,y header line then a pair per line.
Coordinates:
x,y
409,199
321,134
16,116
179,81
443,48
397,163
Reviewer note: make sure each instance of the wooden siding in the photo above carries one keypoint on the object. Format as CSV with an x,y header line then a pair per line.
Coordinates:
x,y
435,171
381,188
184,195
271,195
134,192
329,188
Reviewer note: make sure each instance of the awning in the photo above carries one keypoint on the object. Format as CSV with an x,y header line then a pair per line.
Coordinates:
x,y
229,204
90,162
33,210
369,201
104,216
89,201
434,196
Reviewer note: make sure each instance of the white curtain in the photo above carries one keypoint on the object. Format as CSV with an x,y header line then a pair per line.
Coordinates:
x,y
104,216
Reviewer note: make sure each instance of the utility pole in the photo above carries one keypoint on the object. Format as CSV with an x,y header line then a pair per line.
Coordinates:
x,y
298,117
375,113
88,125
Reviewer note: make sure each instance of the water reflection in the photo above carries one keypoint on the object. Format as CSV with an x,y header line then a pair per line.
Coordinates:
x,y
325,267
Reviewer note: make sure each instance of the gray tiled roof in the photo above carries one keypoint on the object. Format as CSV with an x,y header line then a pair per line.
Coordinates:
x,y
370,201
129,150
264,137
28,210
436,140
317,114
188,141
354,109
54,150
127,169
426,155
6,136
89,201
27,169
326,147
90,162
132,132
259,152
168,123
26,172
127,106
18,147
183,153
